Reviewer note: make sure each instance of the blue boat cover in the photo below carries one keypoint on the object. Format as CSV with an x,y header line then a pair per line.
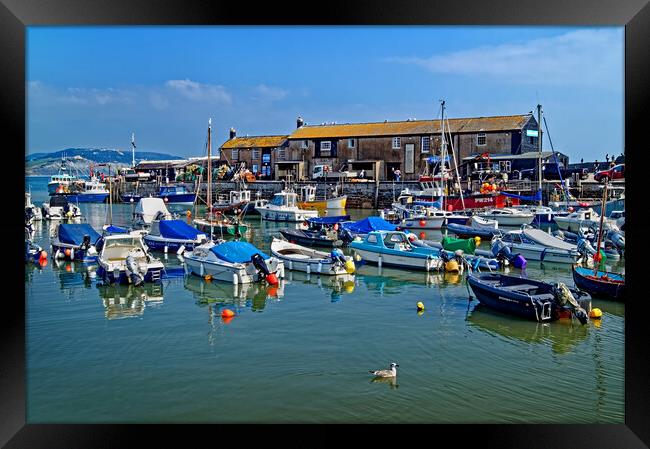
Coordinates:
x,y
435,204
536,197
116,230
329,220
74,233
177,229
236,252
369,224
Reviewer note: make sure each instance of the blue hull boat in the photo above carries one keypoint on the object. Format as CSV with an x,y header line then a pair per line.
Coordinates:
x,y
602,284
76,241
310,238
463,231
176,195
88,198
527,298
166,235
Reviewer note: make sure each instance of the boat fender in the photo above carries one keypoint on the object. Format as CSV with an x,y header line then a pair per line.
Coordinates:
x,y
543,255
519,261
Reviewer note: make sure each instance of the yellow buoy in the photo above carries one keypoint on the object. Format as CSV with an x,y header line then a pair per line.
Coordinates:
x,y
207,277
451,266
349,266
596,313
420,306
348,286
477,239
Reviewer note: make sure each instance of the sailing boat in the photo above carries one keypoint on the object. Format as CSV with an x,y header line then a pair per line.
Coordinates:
x,y
216,218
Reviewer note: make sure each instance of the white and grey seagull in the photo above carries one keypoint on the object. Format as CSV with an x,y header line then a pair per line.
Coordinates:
x,y
391,372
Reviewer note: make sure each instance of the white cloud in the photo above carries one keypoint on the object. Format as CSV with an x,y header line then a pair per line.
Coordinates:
x,y
200,92
41,92
269,93
583,57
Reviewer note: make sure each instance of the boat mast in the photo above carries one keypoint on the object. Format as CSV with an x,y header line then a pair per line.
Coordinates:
x,y
600,229
443,143
539,147
209,193
133,150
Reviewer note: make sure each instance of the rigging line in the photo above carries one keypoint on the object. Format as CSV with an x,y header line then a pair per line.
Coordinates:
x,y
453,153
566,190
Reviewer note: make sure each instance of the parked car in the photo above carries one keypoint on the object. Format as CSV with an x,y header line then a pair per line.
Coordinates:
x,y
616,172
550,172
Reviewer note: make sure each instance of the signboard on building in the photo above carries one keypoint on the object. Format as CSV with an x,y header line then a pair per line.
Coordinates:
x,y
532,133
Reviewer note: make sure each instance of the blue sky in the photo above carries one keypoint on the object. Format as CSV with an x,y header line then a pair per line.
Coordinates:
x,y
93,86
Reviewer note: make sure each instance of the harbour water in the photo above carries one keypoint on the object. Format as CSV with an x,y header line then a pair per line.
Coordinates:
x,y
301,352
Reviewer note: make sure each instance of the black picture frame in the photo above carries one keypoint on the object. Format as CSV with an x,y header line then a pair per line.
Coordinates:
x,y
15,15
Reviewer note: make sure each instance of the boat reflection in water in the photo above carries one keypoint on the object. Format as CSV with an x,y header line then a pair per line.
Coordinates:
x,y
335,285
126,301
221,295
73,275
562,335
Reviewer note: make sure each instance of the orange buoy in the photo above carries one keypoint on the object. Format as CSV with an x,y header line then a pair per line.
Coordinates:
x,y
423,235
67,252
272,279
423,223
227,313
43,255
272,291
208,277
227,319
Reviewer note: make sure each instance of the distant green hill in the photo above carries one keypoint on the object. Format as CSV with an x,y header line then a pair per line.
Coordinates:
x,y
79,159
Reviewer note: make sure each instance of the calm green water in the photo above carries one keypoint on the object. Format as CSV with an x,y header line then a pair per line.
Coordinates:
x,y
301,352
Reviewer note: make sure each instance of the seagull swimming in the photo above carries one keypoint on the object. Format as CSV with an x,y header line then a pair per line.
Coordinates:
x,y
392,372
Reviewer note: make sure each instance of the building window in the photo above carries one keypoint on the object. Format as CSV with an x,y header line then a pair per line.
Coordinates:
x,y
304,144
255,168
426,144
397,143
235,155
325,148
505,166
352,143
480,139
255,154
266,157
282,154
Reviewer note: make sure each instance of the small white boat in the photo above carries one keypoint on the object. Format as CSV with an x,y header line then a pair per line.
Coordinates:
x,y
32,209
283,207
124,259
477,222
519,242
235,262
59,208
507,216
150,209
296,257
583,218
543,214
422,217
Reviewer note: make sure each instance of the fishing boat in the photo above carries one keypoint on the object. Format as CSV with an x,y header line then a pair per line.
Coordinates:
x,y
250,208
236,201
124,259
235,262
32,209
88,191
75,241
176,195
148,210
507,216
296,257
60,183
174,235
59,208
422,217
308,200
393,248
528,298
598,283
534,244
283,207
582,218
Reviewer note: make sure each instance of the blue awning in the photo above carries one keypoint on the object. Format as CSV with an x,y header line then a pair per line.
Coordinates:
x,y
369,224
329,220
116,230
236,252
74,233
177,229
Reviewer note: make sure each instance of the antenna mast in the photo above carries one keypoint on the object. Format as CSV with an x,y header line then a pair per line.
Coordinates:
x,y
133,149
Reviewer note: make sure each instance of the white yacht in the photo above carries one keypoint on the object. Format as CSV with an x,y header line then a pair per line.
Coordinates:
x,y
507,216
583,218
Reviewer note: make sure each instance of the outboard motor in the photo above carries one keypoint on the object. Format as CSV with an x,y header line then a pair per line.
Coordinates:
x,y
133,270
501,252
617,239
563,296
85,244
345,235
585,248
263,270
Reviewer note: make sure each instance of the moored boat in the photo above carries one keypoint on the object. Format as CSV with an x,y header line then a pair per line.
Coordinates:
x,y
31,209
173,235
520,242
312,238
124,259
582,218
529,298
148,210
296,257
506,216
177,195
598,283
75,241
308,200
59,208
283,207
235,262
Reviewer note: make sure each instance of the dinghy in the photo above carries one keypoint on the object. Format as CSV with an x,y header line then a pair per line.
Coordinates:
x,y
599,283
299,258
235,262
528,298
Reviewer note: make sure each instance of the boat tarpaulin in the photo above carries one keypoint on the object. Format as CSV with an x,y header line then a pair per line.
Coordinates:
x,y
116,230
369,224
148,208
74,233
536,197
177,229
236,252
329,220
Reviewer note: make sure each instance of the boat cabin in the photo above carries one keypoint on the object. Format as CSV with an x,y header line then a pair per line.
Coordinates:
x,y
284,199
308,193
240,196
172,190
116,248
390,240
